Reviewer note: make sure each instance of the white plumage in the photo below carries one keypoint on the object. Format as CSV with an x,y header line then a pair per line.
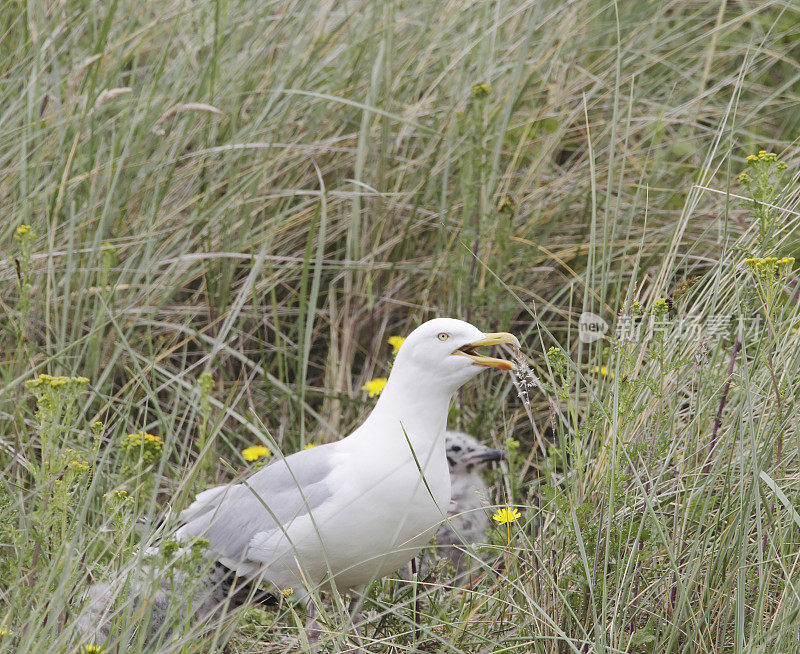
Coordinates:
x,y
359,508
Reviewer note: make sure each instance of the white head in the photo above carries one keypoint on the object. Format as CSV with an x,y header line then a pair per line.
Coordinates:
x,y
465,452
442,354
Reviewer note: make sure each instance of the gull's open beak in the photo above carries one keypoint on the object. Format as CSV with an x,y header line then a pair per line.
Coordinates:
x,y
469,350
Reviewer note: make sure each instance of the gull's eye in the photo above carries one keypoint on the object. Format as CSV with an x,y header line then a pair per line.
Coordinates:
x,y
456,448
443,336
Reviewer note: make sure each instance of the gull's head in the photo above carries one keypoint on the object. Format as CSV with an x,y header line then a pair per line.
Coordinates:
x,y
464,452
447,352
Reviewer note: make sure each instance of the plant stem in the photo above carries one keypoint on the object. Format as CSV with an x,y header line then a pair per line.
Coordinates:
x,y
718,420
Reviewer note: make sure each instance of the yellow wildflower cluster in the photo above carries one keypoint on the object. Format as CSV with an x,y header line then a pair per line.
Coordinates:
x,y
309,446
22,230
758,263
144,445
660,308
762,155
79,466
770,266
375,386
45,381
91,649
287,592
506,515
602,370
117,494
760,165
6,632
255,452
771,275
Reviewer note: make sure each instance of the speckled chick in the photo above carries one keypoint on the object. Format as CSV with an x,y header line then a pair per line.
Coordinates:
x,y
468,521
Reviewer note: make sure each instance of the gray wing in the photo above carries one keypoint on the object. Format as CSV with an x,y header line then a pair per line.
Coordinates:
x,y
229,516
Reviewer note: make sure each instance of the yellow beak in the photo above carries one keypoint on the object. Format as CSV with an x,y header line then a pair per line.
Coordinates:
x,y
499,338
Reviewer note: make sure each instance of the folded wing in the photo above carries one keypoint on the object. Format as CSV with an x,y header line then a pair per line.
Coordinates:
x,y
267,503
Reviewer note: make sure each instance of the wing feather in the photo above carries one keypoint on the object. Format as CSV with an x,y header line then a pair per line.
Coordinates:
x,y
266,503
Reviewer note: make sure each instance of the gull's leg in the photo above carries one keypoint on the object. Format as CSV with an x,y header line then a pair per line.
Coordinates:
x,y
414,580
313,626
354,609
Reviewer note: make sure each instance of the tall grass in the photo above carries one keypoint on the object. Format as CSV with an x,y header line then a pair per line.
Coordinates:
x,y
266,191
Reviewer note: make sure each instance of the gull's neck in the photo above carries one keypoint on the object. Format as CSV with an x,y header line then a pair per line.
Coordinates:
x,y
416,404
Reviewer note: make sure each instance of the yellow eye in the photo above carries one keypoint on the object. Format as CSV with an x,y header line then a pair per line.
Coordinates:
x,y
443,336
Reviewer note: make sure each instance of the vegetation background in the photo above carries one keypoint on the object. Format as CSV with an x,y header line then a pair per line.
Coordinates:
x,y
266,191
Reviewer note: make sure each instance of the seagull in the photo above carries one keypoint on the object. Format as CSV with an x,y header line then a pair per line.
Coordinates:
x,y
467,521
352,511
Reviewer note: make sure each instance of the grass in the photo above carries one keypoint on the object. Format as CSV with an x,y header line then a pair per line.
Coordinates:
x,y
265,192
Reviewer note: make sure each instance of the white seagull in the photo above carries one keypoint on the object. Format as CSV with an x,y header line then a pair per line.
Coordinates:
x,y
352,511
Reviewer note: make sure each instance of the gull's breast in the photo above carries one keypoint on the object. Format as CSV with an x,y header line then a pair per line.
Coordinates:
x,y
384,514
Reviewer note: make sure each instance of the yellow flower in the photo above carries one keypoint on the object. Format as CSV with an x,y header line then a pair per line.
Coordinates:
x,y
395,342
752,158
23,229
374,386
79,466
770,268
146,445
603,370
504,516
286,592
43,381
117,494
7,632
255,452
91,649
309,446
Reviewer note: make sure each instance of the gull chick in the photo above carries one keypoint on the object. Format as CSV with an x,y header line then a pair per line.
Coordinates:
x,y
352,511
468,521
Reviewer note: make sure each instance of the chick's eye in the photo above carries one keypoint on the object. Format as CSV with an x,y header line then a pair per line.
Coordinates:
x,y
443,336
